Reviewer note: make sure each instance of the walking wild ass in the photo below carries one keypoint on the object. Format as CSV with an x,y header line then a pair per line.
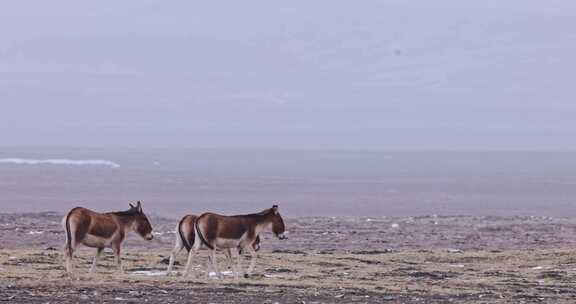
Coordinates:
x,y
235,232
185,234
102,230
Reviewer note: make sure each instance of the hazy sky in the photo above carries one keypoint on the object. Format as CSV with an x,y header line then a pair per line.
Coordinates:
x,y
488,74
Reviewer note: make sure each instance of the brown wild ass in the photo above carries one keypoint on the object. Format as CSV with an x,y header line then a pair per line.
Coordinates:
x,y
186,232
239,231
102,230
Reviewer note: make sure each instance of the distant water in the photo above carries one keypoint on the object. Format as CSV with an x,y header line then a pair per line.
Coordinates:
x,y
172,182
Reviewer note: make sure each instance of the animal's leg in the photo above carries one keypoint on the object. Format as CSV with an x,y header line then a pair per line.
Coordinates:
x,y
69,245
238,266
177,248
253,255
191,254
229,259
77,234
209,266
95,261
215,264
239,262
68,255
116,250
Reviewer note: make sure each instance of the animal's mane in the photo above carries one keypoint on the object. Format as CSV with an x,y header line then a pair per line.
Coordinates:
x,y
258,214
131,211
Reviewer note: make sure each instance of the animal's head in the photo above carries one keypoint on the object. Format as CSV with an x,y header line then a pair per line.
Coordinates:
x,y
278,227
141,224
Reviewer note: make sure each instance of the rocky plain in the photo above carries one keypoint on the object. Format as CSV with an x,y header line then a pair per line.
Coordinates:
x,y
426,259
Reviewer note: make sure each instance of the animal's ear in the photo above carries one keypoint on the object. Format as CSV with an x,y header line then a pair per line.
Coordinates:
x,y
275,209
139,206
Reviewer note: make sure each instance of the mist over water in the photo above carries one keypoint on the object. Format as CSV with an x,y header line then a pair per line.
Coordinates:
x,y
172,182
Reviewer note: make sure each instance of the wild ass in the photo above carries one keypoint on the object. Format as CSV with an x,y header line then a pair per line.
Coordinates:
x,y
102,230
239,231
185,235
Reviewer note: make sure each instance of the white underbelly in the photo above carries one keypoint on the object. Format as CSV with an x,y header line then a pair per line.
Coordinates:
x,y
96,241
227,243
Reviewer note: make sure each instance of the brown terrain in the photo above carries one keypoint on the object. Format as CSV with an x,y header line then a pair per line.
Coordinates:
x,y
325,260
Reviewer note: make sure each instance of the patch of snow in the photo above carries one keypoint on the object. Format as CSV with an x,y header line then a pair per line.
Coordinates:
x,y
149,273
225,273
540,267
451,250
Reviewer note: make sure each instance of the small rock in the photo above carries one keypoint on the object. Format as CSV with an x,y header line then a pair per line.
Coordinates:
x,y
166,261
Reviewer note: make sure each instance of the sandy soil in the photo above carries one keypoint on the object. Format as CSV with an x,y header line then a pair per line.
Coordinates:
x,y
326,260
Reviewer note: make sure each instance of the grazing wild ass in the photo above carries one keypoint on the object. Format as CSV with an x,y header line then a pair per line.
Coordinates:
x,y
186,232
102,230
236,232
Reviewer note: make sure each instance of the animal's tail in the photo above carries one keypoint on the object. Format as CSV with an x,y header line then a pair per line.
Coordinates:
x,y
184,240
68,233
200,234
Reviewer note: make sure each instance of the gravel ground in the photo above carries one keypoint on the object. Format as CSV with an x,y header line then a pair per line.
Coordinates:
x,y
326,260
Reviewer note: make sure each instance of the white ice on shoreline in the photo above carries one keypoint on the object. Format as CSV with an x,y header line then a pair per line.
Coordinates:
x,y
61,162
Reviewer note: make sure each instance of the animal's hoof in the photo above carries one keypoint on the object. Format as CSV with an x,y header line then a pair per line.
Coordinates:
x,y
246,275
